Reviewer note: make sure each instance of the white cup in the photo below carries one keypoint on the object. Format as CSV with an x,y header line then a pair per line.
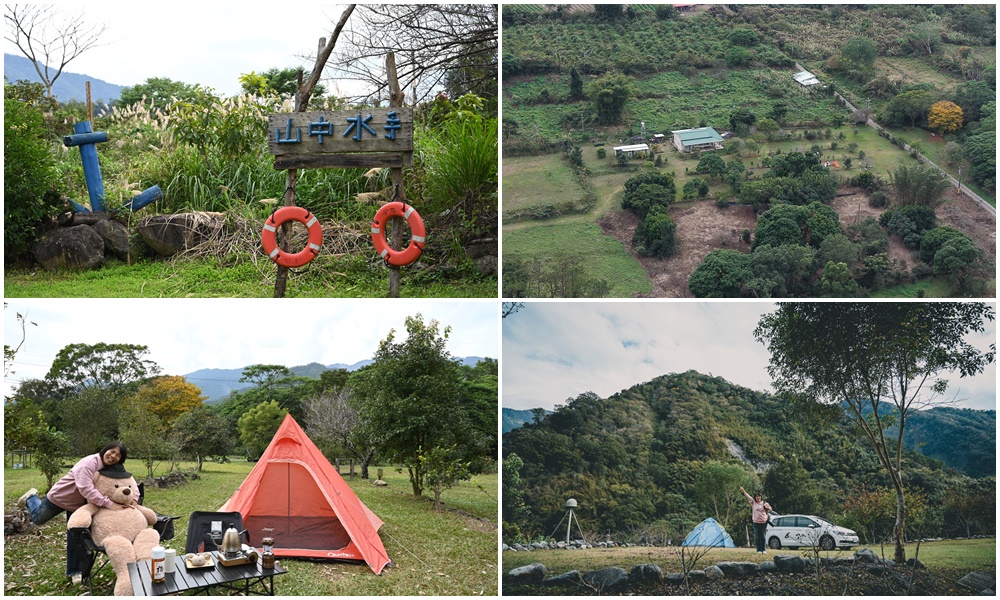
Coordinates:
x,y
169,560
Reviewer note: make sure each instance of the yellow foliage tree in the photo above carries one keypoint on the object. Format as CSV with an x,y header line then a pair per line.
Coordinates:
x,y
169,397
945,116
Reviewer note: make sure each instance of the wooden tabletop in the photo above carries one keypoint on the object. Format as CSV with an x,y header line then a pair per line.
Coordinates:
x,y
241,577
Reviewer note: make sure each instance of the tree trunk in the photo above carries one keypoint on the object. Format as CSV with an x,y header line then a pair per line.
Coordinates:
x,y
898,529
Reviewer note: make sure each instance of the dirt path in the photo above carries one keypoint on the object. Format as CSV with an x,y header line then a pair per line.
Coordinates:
x,y
701,228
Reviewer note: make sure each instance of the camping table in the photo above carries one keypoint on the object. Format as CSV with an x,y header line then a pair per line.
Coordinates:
x,y
242,578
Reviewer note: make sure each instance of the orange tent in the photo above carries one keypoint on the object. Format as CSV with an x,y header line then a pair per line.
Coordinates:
x,y
295,490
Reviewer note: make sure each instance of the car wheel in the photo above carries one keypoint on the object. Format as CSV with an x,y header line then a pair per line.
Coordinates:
x,y
774,543
826,543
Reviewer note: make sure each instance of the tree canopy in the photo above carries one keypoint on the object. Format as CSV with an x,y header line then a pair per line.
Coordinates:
x,y
866,355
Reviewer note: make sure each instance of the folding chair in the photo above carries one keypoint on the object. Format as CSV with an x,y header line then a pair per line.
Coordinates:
x,y
205,530
82,535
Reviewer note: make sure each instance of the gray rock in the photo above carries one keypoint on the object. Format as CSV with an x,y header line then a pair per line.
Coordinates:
x,y
915,563
646,573
78,247
606,578
767,566
866,555
170,234
697,575
986,593
714,572
567,579
530,574
787,563
738,569
979,580
674,578
115,236
506,547
539,546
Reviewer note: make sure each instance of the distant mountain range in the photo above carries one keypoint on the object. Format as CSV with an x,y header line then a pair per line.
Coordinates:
x,y
69,86
512,418
217,384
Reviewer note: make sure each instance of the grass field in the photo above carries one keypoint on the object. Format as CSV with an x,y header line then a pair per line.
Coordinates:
x,y
206,278
969,555
604,257
452,552
540,179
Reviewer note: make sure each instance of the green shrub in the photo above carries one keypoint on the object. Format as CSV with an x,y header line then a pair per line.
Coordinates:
x,y
27,169
655,236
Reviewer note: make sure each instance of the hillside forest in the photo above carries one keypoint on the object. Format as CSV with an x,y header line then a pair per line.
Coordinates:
x,y
854,171
649,463
379,414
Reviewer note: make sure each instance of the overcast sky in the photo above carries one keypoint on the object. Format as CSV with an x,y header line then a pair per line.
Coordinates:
x,y
190,334
554,351
208,43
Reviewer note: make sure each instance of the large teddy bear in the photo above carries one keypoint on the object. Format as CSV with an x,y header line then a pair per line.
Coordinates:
x,y
124,533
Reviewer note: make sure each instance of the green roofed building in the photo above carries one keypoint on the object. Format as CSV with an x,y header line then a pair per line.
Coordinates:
x,y
702,138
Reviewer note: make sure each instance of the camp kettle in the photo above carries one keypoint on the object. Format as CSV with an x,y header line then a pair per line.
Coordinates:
x,y
231,545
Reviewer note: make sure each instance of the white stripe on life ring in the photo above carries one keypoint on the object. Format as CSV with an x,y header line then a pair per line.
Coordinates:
x,y
269,228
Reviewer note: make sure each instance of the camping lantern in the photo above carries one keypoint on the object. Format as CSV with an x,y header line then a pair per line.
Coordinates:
x,y
267,539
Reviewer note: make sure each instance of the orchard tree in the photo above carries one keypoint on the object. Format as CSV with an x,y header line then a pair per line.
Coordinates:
x,y
201,433
609,95
444,468
860,51
711,164
945,116
868,357
101,366
258,425
144,432
722,274
264,377
410,400
169,397
160,92
768,127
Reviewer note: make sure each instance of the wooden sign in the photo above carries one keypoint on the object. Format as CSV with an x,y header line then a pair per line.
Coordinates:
x,y
371,137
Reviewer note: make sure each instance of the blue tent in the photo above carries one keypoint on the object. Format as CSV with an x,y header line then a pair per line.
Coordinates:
x,y
709,533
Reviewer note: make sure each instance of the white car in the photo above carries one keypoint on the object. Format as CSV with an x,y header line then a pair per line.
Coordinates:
x,y
793,531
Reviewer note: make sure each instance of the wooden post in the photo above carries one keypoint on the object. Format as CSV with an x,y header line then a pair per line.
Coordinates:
x,y
90,105
303,92
396,98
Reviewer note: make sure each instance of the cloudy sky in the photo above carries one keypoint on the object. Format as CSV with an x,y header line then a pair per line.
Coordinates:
x,y
554,351
190,334
209,43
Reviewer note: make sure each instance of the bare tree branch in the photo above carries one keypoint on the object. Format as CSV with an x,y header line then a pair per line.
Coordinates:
x,y
434,44
49,37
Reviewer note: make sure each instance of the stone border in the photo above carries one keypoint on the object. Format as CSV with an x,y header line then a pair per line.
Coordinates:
x,y
612,578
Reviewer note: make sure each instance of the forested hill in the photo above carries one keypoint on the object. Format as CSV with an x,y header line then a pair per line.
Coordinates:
x,y
69,86
962,438
660,452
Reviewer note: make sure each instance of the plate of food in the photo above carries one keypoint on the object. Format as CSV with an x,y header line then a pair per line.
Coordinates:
x,y
199,560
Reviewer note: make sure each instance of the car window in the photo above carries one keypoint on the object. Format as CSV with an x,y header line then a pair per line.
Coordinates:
x,y
783,522
803,521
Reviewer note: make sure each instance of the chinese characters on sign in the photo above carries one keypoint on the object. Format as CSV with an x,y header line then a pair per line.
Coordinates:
x,y
369,137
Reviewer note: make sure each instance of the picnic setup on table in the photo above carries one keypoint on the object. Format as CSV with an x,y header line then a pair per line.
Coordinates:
x,y
293,495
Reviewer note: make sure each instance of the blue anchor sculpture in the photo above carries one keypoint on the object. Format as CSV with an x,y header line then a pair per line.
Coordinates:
x,y
87,139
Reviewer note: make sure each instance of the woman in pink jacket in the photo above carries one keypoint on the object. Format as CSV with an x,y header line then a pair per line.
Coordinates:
x,y
759,508
71,492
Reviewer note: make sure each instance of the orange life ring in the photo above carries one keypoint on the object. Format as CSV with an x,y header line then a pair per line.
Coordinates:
x,y
418,235
269,236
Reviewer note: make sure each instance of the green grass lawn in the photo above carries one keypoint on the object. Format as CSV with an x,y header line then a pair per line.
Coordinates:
x,y
207,278
541,179
604,257
452,552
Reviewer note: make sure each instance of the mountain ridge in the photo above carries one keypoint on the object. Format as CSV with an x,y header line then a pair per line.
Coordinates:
x,y
217,384
69,86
